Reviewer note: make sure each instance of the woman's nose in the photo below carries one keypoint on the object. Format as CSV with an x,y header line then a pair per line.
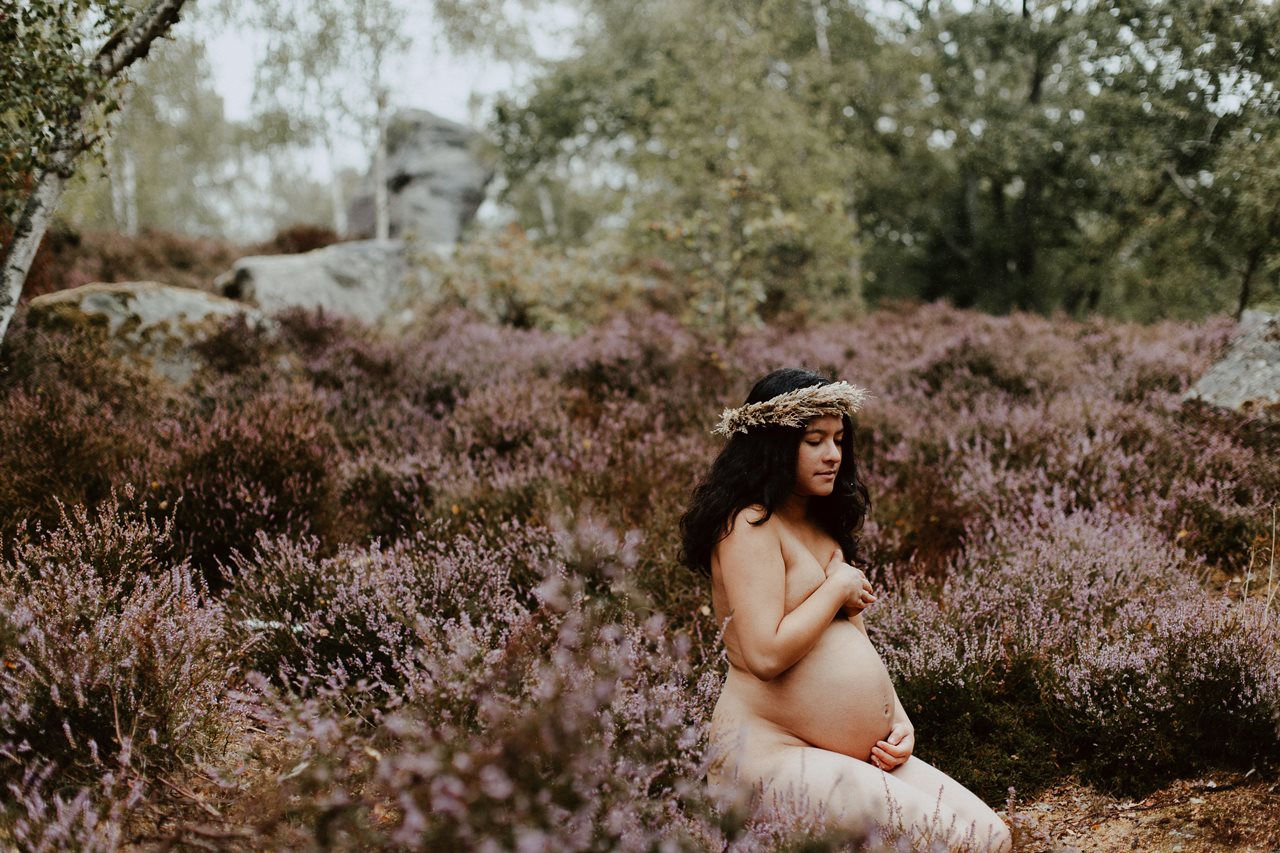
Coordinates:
x,y
832,452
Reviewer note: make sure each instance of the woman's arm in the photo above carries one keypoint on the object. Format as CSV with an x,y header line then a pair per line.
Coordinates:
x,y
754,576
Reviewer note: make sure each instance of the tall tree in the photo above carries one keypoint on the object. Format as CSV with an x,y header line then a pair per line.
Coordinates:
x,y
328,73
53,102
708,121
330,68
1005,154
173,160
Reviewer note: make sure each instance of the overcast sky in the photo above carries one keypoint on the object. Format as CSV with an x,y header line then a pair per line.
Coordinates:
x,y
433,79
452,80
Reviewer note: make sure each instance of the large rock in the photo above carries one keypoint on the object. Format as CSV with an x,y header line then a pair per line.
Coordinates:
x,y
1247,378
435,180
369,281
152,323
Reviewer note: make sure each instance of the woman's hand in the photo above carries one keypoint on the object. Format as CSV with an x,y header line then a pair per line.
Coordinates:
x,y
862,594
895,749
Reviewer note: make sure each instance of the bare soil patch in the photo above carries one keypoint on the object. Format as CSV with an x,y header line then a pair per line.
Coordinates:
x,y
1217,812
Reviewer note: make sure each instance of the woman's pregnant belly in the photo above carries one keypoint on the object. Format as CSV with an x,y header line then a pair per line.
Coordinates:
x,y
837,697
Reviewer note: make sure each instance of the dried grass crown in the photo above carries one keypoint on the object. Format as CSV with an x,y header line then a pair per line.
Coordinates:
x,y
794,408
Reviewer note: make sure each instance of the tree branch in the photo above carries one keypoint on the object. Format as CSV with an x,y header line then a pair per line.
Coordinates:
x,y
1181,185
134,42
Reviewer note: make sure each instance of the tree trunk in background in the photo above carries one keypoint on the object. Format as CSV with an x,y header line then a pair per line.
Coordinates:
x,y
1246,281
115,180
820,21
335,189
381,202
129,186
122,174
548,210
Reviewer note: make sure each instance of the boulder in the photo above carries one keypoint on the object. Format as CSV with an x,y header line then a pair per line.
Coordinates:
x,y
435,181
1247,377
155,323
369,281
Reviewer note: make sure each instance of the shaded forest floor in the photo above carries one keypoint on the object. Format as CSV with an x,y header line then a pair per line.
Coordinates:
x,y
1209,813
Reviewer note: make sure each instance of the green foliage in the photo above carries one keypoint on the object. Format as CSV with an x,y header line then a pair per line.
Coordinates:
x,y
172,155
509,280
47,83
729,174
1039,156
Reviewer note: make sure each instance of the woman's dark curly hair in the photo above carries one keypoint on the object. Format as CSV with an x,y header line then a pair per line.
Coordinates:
x,y
758,468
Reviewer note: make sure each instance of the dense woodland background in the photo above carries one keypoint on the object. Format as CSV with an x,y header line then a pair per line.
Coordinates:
x,y
358,589
1114,157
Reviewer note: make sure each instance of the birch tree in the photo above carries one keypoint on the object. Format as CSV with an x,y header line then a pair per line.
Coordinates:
x,y
66,64
325,75
331,66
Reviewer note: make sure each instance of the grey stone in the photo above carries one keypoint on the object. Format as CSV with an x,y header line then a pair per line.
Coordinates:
x,y
368,280
148,322
1247,377
435,180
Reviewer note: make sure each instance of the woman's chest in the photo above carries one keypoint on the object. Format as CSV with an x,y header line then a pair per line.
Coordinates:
x,y
804,572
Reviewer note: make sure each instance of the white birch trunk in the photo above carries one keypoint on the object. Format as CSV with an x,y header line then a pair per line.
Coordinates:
x,y
120,51
130,192
548,210
28,233
820,21
381,200
336,197
115,179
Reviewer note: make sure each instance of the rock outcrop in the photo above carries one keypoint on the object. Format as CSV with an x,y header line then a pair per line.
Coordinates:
x,y
435,180
368,280
156,324
1247,378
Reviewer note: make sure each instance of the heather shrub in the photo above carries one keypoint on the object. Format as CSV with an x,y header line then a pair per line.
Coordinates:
x,y
578,733
972,695
1076,638
113,658
237,347
117,539
525,420
534,708
71,258
90,819
1192,682
594,755
383,497
418,542
295,239
259,466
1033,576
349,617
634,356
362,617
71,423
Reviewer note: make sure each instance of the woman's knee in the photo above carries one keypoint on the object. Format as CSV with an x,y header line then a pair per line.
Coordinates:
x,y
976,820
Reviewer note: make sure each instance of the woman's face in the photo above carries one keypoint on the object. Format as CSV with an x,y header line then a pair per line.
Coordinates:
x,y
818,458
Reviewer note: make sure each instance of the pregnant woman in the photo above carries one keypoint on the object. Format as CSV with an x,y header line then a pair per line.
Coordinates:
x,y
807,712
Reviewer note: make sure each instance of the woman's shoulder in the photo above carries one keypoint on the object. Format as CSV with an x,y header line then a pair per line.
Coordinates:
x,y
754,536
752,524
755,516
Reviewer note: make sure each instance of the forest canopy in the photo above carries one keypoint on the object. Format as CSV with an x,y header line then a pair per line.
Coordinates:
x,y
1110,156
775,158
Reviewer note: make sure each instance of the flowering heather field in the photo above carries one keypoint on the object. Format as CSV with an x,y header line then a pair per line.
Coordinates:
x,y
360,593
